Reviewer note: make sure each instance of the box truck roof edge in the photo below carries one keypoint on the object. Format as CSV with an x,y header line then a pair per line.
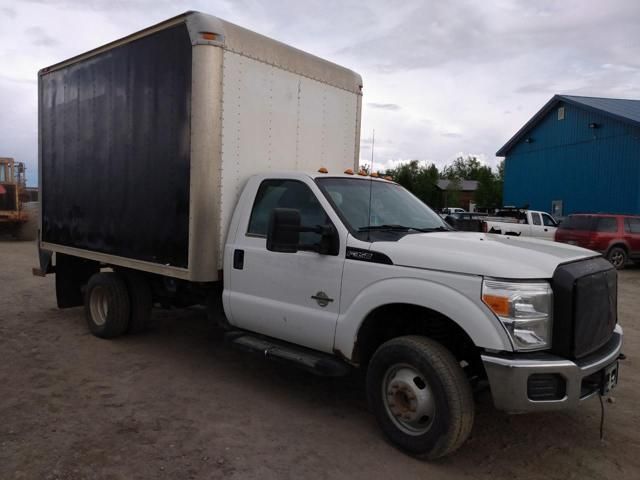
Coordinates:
x,y
207,29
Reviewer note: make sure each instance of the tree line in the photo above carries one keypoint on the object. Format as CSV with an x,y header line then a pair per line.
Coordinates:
x,y
422,181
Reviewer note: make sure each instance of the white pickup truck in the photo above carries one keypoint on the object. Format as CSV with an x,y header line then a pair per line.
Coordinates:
x,y
210,197
518,222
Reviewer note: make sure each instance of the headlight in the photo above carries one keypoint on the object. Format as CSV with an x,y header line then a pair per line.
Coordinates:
x,y
524,308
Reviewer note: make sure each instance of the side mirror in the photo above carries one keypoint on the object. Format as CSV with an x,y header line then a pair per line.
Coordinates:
x,y
283,232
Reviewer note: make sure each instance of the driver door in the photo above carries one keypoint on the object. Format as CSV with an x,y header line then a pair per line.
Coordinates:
x,y
550,227
290,296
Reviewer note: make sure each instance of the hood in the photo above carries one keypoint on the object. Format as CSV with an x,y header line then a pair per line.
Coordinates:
x,y
484,254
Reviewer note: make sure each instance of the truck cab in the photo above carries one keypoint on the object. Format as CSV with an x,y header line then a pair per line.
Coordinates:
x,y
358,268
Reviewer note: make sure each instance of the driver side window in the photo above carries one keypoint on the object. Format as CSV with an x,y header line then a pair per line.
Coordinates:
x,y
286,194
548,221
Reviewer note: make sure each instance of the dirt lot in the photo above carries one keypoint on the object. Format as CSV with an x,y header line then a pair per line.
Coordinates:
x,y
176,402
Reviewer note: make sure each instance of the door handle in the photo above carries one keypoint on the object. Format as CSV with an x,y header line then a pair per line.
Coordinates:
x,y
322,299
238,259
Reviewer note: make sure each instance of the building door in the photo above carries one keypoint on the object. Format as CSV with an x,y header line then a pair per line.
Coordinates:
x,y
556,208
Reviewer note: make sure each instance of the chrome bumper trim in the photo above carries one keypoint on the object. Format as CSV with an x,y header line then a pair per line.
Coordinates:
x,y
508,376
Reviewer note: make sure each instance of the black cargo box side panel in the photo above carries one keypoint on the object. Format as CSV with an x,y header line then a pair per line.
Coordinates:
x,y
115,133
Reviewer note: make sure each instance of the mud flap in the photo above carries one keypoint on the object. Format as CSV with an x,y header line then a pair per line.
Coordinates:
x,y
72,274
46,261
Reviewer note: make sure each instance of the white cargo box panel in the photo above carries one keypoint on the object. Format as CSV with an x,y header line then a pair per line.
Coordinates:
x,y
273,119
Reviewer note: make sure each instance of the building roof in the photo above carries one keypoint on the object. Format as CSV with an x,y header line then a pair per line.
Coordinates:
x,y
627,111
465,185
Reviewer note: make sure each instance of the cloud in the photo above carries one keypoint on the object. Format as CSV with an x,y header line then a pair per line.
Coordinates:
x,y
384,106
535,88
40,38
8,12
5,78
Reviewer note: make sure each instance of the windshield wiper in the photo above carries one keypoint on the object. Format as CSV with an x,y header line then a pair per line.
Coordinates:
x,y
391,228
436,229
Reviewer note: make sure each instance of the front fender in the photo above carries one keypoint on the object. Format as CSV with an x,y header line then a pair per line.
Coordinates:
x,y
484,329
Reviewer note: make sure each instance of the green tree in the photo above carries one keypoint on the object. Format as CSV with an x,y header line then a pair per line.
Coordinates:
x,y
463,169
422,181
419,179
452,193
489,192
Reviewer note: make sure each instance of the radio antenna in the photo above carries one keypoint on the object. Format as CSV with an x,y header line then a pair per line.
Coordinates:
x,y
373,144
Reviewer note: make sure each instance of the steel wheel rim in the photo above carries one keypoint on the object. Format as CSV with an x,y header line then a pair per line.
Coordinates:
x,y
617,258
408,399
99,305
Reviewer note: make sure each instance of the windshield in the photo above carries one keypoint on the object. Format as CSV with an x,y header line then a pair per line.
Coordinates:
x,y
392,207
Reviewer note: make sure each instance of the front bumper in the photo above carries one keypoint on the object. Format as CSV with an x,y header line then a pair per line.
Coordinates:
x,y
509,376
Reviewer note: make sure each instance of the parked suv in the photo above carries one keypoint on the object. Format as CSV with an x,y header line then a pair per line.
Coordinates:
x,y
617,237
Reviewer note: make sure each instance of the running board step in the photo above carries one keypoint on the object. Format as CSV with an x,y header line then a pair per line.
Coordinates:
x,y
311,360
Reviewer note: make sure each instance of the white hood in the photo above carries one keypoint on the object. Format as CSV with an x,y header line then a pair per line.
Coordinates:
x,y
490,255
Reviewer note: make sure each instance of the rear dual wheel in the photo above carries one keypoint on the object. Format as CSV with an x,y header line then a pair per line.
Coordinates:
x,y
117,303
420,396
106,305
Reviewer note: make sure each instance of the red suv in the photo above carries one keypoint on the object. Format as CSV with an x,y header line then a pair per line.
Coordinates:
x,y
617,237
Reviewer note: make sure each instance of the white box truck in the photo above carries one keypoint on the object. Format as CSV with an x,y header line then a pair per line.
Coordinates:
x,y
196,162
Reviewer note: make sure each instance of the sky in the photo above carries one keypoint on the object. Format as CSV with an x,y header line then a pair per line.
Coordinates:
x,y
441,78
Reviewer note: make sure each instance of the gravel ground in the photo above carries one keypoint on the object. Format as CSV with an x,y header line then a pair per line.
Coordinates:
x,y
176,402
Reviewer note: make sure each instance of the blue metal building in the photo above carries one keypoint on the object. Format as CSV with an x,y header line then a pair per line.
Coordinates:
x,y
577,154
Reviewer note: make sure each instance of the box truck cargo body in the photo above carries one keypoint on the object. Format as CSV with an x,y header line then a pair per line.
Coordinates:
x,y
146,142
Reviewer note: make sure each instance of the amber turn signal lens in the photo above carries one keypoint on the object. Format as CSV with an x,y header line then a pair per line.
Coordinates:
x,y
209,36
498,305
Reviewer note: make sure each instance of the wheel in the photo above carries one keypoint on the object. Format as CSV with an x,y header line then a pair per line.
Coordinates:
x,y
106,305
618,257
140,300
420,396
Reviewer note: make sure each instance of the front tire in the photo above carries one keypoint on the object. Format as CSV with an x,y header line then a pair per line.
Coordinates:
x,y
618,257
420,396
106,305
